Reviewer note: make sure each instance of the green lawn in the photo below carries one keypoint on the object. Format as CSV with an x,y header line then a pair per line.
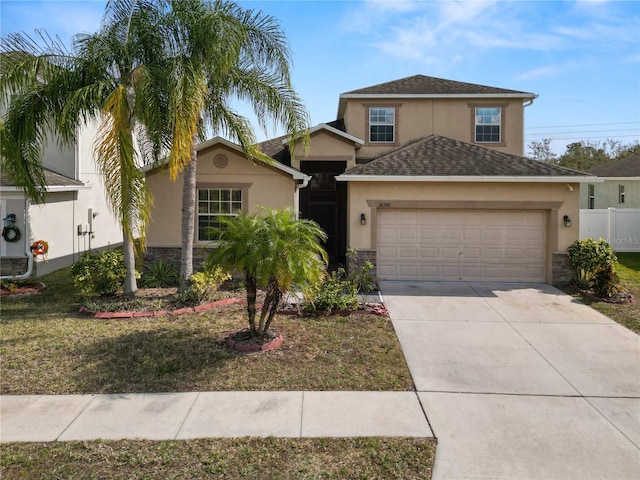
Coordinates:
x,y
628,315
246,458
47,347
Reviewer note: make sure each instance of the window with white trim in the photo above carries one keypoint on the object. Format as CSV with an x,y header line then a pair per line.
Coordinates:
x,y
620,193
591,197
382,124
214,203
488,125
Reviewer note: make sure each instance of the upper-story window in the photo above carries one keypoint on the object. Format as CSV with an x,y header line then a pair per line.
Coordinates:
x,y
488,125
620,193
591,196
382,124
214,203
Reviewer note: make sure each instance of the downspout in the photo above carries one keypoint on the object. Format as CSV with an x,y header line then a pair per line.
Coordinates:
x,y
296,198
27,248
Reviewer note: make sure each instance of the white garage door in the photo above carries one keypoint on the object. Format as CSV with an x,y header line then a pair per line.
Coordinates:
x,y
469,245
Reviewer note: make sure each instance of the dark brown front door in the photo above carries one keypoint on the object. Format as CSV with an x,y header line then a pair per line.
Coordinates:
x,y
325,202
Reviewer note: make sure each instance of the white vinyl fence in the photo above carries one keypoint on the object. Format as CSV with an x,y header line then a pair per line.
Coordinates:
x,y
619,227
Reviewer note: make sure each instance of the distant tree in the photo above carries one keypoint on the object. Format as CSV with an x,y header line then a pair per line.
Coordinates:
x,y
541,151
629,150
585,155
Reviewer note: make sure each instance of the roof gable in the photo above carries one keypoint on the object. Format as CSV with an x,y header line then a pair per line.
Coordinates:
x,y
269,148
437,156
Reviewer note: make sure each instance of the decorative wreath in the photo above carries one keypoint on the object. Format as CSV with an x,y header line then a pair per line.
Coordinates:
x,y
40,247
11,233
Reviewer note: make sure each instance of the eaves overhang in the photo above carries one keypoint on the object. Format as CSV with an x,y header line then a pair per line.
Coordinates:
x,y
469,179
50,189
529,97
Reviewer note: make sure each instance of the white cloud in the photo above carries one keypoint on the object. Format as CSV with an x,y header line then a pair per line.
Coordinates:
x,y
539,72
436,31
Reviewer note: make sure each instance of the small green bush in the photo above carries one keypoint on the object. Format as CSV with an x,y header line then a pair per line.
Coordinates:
x,y
161,274
101,274
335,293
605,281
588,256
362,278
204,285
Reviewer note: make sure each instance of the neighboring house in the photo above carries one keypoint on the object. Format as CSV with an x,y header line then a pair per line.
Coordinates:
x,y
422,176
610,209
620,188
73,219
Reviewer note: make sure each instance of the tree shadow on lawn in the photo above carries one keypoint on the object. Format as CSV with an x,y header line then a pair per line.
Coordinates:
x,y
162,360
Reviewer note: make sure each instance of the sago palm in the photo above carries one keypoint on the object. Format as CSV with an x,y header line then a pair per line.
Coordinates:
x,y
274,251
113,77
220,53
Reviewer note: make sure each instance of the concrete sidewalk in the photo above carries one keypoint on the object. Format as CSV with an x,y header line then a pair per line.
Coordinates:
x,y
169,416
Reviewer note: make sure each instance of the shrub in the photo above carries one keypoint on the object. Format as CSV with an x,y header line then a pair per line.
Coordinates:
x,y
161,274
588,256
604,282
101,274
335,293
362,278
204,285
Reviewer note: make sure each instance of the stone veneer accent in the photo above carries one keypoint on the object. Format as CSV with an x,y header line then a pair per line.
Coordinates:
x,y
13,266
561,270
356,259
172,255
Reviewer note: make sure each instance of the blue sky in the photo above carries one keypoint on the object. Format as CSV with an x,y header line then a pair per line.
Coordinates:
x,y
581,57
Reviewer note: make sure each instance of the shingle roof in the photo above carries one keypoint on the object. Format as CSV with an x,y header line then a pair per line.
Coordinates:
x,y
442,156
275,149
422,84
625,167
51,178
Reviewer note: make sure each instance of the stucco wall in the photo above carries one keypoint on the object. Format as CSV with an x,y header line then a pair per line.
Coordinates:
x,y
417,118
265,185
606,194
56,220
326,146
555,198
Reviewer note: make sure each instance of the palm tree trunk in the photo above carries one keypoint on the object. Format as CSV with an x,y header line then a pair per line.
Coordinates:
x,y
188,218
274,308
130,284
252,291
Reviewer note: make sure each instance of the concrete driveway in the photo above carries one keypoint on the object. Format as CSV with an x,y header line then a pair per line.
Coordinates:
x,y
520,381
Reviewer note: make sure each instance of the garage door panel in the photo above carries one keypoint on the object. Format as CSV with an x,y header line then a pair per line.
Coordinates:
x,y
411,253
473,253
472,234
485,245
450,252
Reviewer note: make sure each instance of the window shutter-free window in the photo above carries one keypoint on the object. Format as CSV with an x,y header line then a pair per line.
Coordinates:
x,y
382,124
214,203
488,122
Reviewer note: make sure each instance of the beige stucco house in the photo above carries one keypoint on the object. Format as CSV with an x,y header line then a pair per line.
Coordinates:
x,y
425,177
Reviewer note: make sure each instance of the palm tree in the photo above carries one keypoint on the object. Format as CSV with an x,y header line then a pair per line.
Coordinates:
x,y
112,77
218,53
274,251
